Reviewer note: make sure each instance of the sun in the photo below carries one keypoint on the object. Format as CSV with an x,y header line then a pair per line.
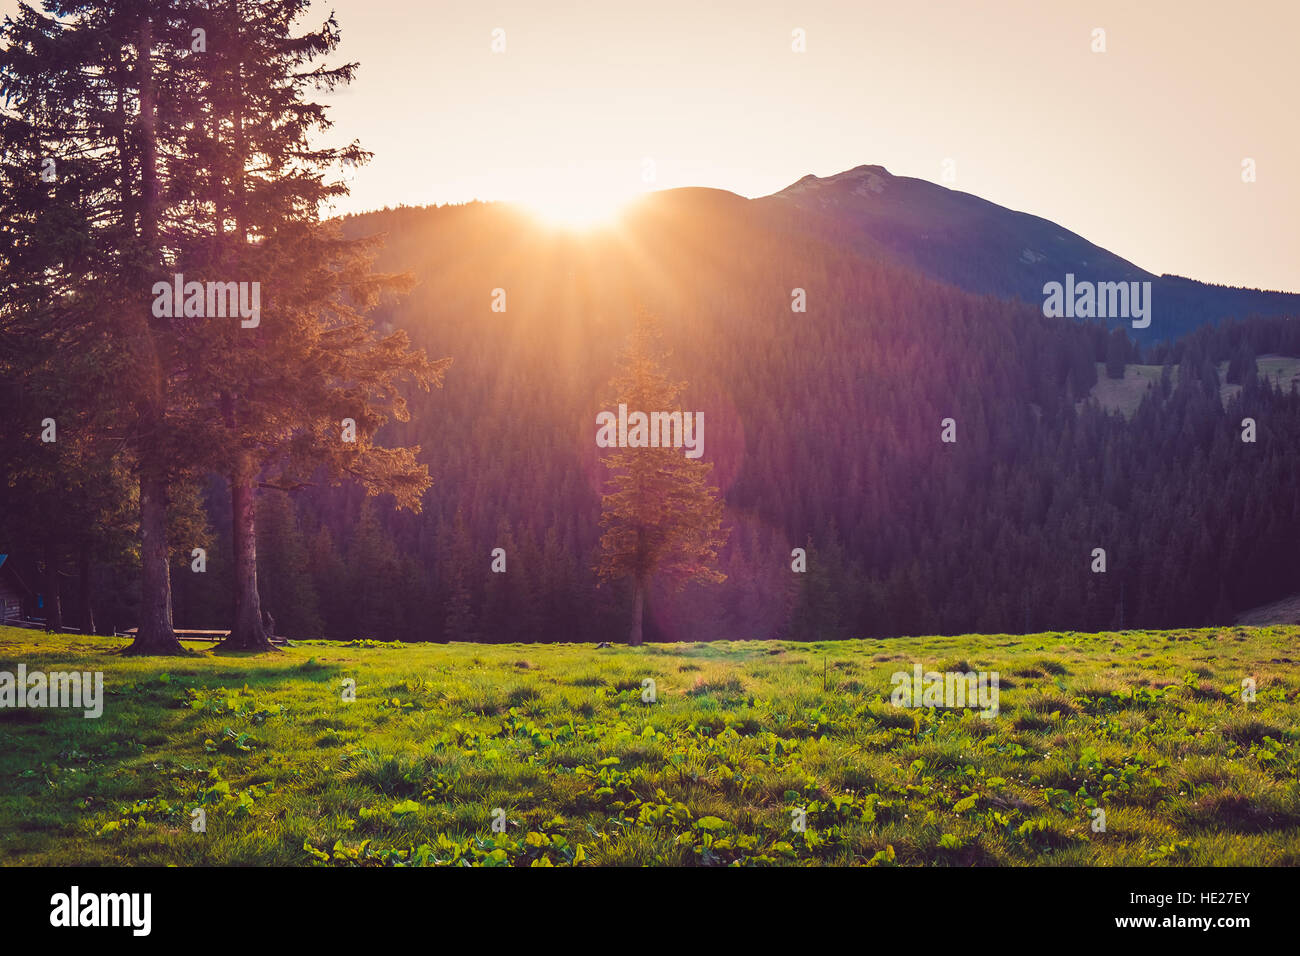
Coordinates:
x,y
579,210
576,201
574,213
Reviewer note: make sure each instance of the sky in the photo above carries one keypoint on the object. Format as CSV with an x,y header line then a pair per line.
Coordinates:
x,y
1138,148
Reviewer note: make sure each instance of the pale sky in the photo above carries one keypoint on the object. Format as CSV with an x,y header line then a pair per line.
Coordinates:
x,y
1138,149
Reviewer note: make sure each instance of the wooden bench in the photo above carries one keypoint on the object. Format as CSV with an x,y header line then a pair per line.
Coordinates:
x,y
188,635
185,634
31,623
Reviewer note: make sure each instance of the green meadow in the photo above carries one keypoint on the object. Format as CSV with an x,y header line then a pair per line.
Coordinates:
x,y
558,745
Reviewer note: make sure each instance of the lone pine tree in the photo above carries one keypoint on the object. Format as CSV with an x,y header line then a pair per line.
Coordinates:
x,y
661,514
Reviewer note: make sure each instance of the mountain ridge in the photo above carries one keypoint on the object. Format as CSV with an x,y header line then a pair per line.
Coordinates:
x,y
944,234
986,248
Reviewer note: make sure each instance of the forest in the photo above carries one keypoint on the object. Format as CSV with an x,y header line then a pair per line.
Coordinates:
x,y
472,422
824,429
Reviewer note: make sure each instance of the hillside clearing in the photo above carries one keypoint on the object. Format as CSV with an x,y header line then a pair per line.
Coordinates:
x,y
1281,371
1125,394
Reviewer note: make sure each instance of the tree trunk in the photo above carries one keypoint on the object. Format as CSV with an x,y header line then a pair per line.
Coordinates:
x,y
156,634
247,632
85,615
638,610
53,609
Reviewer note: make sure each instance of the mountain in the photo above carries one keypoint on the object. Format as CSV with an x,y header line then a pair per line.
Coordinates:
x,y
824,429
986,248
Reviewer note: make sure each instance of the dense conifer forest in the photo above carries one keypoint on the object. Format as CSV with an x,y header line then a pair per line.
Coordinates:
x,y
824,428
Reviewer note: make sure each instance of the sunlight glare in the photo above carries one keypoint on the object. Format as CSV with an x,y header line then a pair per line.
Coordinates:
x,y
577,202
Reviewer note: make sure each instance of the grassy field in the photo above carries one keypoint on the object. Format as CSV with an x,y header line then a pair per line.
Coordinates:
x,y
1148,726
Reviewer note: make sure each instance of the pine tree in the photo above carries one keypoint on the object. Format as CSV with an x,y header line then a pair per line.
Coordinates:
x,y
331,582
284,576
373,574
81,90
284,388
459,621
661,515
1117,353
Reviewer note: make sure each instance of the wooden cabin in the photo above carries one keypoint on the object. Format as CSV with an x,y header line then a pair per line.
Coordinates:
x,y
17,600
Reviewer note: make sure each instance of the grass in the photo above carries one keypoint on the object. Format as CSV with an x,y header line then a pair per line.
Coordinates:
x,y
1125,394
1148,726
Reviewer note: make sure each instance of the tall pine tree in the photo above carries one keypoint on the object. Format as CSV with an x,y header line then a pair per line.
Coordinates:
x,y
661,514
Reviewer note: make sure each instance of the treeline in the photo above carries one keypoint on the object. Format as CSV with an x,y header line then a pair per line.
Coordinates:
x,y
824,428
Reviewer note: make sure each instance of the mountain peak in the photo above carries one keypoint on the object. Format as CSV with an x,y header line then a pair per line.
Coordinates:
x,y
864,180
